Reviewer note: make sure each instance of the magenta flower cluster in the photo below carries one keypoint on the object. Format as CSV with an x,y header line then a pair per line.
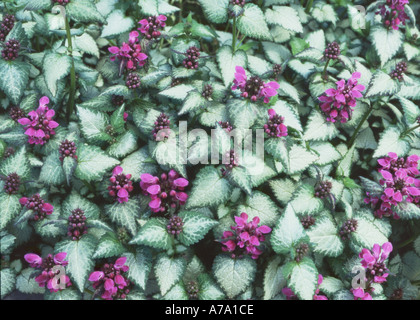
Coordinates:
x,y
393,13
166,192
121,185
245,237
275,126
51,276
254,88
38,206
40,126
151,26
112,280
130,53
6,26
376,270
338,104
399,182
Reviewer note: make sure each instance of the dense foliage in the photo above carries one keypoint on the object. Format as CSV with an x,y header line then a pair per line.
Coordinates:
x,y
111,110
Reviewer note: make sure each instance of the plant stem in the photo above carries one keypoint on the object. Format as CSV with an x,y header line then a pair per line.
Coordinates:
x,y
356,132
309,6
409,130
70,105
325,70
234,35
260,3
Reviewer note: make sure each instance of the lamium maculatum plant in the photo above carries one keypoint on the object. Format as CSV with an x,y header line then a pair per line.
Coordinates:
x,y
209,150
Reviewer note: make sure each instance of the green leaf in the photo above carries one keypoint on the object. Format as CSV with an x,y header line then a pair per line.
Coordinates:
x,y
277,147
193,102
8,279
209,189
287,232
318,129
83,11
386,42
303,278
178,92
154,234
252,23
411,110
298,45
234,275
273,278
93,124
260,205
407,210
14,77
228,61
125,144
304,201
35,5
92,162
85,43
290,114
390,141
17,163
299,159
344,167
75,201
410,51
139,265
331,285
381,84
79,256
136,164
366,235
7,241
283,189
242,112
25,282
285,17
109,246
195,227
325,237
177,292
10,208
168,271
52,172
68,294
208,288
55,67
240,177
69,165
125,214
215,10
411,266
117,23
327,153
288,90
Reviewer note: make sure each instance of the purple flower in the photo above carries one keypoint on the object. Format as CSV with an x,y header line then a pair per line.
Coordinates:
x,y
374,262
166,192
112,280
254,88
11,50
40,127
393,13
121,185
338,103
275,126
130,53
38,205
6,26
360,294
77,224
150,27
48,265
245,238
318,296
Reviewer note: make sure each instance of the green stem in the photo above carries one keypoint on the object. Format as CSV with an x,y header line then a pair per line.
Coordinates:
x,y
240,41
70,105
409,130
301,2
260,3
309,6
325,70
234,35
356,132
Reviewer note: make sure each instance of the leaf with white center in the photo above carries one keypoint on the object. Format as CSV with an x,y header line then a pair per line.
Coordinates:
x,y
17,163
119,89
260,205
305,68
85,43
14,77
304,201
195,227
154,233
6,243
344,167
215,10
69,165
76,201
241,178
386,42
366,139
136,164
79,256
326,153
411,51
290,114
288,232
35,5
117,23
331,285
411,110
407,210
166,153
283,189
216,113
273,278
316,39
286,89
299,159
411,266
277,147
252,23
68,294
10,208
324,236
125,214
258,66
52,172
209,290
325,13
83,11
55,67
303,278
93,124
25,282
178,92
381,84
243,113
371,186
177,292
208,189
193,102
140,265
390,141
234,275
92,162
201,30
285,17
8,279
124,145
228,61
109,246
168,271
276,53
318,129
366,235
